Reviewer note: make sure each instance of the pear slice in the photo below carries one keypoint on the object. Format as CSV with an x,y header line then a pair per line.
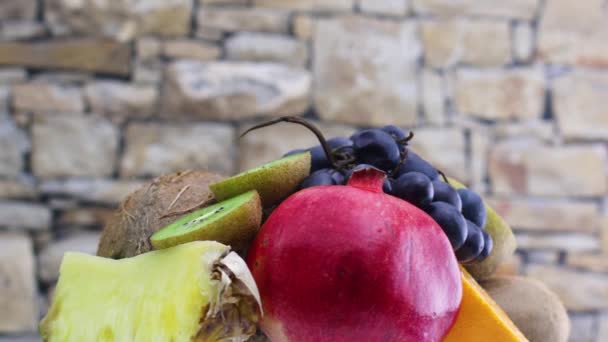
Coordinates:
x,y
232,222
274,181
199,291
502,236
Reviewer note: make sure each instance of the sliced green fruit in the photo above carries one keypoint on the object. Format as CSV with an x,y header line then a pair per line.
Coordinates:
x,y
502,236
234,222
198,291
274,181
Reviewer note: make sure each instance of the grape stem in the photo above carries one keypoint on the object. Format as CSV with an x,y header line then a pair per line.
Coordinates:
x,y
307,124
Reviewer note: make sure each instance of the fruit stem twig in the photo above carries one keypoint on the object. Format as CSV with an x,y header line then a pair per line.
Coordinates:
x,y
445,178
305,123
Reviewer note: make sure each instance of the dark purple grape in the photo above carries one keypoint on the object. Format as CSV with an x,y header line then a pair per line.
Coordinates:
x,y
377,148
319,177
337,177
473,245
446,193
415,188
339,142
387,186
318,159
488,244
413,163
451,221
473,207
292,152
394,131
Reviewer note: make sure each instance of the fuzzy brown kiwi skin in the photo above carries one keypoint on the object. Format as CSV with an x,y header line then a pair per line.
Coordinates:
x,y
236,229
536,311
151,207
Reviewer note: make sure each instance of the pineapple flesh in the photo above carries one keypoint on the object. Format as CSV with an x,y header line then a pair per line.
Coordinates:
x,y
199,291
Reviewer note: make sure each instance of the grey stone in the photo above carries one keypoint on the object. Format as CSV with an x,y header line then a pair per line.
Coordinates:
x,y
21,30
121,98
148,72
43,97
12,75
88,54
433,98
13,144
154,149
120,20
571,242
147,48
18,9
266,47
542,257
443,148
520,9
583,328
243,19
308,5
18,298
365,71
73,145
22,215
602,334
102,191
523,42
397,8
234,90
51,256
21,187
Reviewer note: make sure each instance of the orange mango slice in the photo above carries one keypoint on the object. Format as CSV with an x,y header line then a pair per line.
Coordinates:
x,y
480,318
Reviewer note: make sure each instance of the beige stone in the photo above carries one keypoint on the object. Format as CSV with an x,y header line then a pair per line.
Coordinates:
x,y
271,143
543,130
571,242
234,90
542,257
588,262
266,47
602,333
365,71
223,2
119,20
303,26
386,7
18,298
583,328
580,291
64,78
308,5
22,215
101,191
73,145
49,259
444,149
148,73
526,167
42,97
498,94
88,54
604,235
548,215
209,34
480,149
462,41
12,75
21,30
154,149
243,19
580,102
18,9
433,98
85,217
520,9
147,48
121,98
523,42
574,33
22,187
190,49
13,145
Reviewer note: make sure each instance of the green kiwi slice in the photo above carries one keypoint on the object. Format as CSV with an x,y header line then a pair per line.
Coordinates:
x,y
232,222
274,181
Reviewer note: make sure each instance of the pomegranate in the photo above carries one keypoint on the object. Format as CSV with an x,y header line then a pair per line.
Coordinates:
x,y
350,263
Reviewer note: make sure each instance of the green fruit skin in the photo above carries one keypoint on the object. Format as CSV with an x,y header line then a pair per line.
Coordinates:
x,y
502,236
274,181
236,229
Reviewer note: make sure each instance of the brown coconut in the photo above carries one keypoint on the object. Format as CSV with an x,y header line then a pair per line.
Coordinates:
x,y
152,207
534,309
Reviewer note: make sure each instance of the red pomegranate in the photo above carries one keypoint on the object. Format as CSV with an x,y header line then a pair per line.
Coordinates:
x,y
350,263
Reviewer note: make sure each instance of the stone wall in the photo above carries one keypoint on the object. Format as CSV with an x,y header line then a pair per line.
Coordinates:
x,y
97,96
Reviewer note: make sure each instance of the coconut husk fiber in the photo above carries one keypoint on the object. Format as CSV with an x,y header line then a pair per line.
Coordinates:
x,y
152,207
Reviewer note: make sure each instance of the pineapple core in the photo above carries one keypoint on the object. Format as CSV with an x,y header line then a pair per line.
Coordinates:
x,y
197,291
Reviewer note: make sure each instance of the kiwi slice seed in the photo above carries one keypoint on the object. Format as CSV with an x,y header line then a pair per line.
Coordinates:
x,y
233,222
274,181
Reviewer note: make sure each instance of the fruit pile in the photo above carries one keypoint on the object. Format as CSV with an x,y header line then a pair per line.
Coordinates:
x,y
357,239
460,213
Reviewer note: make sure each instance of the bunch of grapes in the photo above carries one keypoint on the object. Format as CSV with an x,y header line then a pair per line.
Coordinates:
x,y
460,213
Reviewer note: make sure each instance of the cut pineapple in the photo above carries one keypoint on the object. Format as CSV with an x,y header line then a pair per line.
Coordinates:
x,y
199,291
